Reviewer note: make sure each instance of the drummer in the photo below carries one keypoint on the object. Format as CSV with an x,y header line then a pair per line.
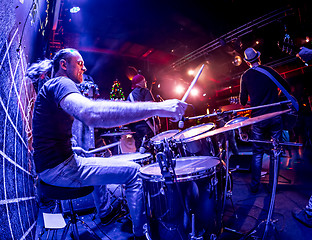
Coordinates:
x,y
261,90
57,103
146,128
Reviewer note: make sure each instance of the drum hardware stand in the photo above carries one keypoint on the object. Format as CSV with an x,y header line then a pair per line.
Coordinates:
x,y
235,111
145,231
192,234
227,194
167,165
244,137
269,222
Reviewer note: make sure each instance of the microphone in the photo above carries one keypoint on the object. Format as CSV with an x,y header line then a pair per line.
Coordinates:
x,y
181,122
142,148
160,98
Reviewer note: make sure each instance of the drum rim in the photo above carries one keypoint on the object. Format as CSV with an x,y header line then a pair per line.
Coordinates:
x,y
183,177
146,155
232,121
160,141
193,127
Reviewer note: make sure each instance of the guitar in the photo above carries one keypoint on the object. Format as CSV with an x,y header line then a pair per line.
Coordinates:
x,y
288,46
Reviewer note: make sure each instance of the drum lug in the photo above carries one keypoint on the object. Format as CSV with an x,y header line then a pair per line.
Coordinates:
x,y
229,194
214,181
213,237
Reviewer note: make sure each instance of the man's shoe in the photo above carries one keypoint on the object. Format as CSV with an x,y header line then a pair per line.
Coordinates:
x,y
303,217
112,216
254,189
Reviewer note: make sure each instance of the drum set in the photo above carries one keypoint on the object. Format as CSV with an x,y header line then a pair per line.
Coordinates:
x,y
186,187
186,179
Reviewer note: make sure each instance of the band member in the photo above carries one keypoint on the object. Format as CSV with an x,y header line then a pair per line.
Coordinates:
x,y
261,90
148,127
305,215
39,73
58,103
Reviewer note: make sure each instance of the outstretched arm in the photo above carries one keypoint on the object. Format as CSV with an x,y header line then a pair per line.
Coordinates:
x,y
305,54
109,114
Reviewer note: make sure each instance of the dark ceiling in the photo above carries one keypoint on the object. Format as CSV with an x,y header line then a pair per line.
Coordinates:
x,y
163,39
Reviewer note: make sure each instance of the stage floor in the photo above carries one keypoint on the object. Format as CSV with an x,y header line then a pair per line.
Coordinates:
x,y
294,191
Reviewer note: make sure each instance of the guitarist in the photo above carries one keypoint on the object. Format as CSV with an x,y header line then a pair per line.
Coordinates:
x,y
261,90
305,215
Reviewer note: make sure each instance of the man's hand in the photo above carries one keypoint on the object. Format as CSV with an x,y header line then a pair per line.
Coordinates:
x,y
305,54
81,152
173,109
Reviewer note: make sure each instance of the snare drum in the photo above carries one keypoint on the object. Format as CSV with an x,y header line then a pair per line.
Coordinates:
x,y
140,158
202,147
195,196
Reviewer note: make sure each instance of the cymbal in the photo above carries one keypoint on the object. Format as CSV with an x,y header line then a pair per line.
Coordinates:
x,y
233,126
113,134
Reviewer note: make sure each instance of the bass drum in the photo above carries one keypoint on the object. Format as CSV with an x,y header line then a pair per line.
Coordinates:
x,y
194,198
202,147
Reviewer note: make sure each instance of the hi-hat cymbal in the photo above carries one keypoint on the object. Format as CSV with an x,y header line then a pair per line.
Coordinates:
x,y
113,134
233,126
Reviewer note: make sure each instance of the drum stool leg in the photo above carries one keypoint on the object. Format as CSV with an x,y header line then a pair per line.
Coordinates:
x,y
73,220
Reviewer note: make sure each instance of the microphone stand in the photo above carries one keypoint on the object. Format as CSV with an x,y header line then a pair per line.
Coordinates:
x,y
235,111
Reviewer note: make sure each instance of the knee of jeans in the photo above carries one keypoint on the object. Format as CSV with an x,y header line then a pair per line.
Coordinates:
x,y
134,172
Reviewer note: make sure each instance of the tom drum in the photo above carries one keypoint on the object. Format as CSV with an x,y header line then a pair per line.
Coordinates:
x,y
194,197
202,147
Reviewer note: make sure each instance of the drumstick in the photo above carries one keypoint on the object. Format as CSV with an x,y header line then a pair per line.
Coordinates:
x,y
192,84
181,123
100,149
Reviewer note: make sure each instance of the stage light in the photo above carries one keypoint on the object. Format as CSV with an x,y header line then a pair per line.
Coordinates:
x,y
307,39
204,95
74,9
194,92
257,42
158,86
179,89
237,61
190,72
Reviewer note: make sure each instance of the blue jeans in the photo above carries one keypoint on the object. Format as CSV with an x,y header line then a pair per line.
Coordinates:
x,y
102,200
265,130
79,171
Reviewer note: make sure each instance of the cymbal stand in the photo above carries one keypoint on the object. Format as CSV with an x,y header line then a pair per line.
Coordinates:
x,y
235,111
228,194
269,223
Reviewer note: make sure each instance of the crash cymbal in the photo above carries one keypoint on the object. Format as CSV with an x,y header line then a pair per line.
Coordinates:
x,y
114,134
233,126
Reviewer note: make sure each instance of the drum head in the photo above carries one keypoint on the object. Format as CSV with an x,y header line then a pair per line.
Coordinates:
x,y
164,135
187,168
131,156
194,131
